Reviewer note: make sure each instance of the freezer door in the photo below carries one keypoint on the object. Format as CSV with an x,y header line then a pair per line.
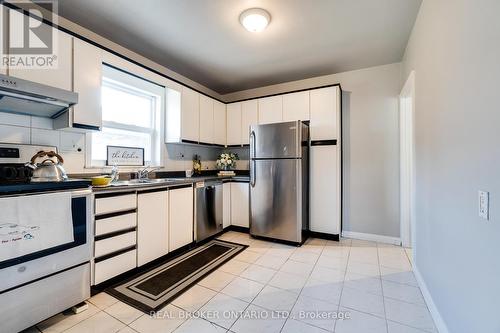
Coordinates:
x,y
282,140
276,199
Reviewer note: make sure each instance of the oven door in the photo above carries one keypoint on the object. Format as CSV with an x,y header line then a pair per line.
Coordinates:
x,y
35,265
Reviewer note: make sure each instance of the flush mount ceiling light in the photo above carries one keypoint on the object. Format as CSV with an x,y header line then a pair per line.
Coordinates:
x,y
255,19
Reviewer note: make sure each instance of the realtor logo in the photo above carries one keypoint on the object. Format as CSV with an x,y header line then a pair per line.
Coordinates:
x,y
27,42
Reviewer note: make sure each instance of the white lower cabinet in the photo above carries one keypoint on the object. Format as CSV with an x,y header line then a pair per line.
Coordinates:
x,y
114,244
324,190
240,197
152,226
180,217
109,268
115,236
115,204
226,205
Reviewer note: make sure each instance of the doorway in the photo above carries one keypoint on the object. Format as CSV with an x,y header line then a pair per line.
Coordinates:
x,y
407,177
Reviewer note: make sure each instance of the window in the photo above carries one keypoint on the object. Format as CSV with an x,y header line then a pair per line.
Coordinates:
x,y
131,114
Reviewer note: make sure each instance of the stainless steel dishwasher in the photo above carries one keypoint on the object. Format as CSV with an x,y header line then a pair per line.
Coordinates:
x,y
208,208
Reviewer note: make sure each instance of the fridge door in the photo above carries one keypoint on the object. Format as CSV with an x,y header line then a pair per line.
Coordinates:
x,y
276,199
281,140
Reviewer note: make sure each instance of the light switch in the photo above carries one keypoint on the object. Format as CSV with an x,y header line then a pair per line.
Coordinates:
x,y
484,203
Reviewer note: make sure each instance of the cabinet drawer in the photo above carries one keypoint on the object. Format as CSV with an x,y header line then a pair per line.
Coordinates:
x,y
115,223
113,244
115,204
114,266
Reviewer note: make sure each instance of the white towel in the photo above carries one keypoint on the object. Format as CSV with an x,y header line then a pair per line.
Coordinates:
x,y
33,223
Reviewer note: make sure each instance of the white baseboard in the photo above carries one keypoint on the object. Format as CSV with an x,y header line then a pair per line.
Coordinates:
x,y
436,316
372,237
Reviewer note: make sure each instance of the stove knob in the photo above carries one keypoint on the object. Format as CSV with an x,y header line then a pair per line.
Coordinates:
x,y
9,173
24,172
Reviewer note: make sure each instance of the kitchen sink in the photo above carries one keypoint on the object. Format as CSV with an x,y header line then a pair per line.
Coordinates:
x,y
142,181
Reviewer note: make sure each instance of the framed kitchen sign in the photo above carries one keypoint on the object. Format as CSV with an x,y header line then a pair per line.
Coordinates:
x,y
125,156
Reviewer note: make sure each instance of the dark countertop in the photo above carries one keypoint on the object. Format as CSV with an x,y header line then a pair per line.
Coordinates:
x,y
126,186
41,187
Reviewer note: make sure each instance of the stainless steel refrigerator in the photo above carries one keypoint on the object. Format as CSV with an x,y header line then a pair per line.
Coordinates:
x,y
279,181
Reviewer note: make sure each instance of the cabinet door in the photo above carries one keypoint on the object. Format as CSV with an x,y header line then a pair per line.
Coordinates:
x,y
152,226
87,74
324,113
173,117
59,77
206,119
240,204
190,115
181,217
249,116
233,124
226,205
219,123
325,190
271,109
296,106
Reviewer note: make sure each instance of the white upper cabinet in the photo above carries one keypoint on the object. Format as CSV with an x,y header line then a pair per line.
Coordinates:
x,y
190,115
271,109
324,113
233,124
219,123
249,116
59,77
87,77
296,106
173,115
206,119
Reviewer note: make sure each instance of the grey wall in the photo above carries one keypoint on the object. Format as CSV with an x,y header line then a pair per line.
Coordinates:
x,y
455,52
371,144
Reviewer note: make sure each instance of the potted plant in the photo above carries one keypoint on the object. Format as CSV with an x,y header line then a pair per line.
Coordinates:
x,y
226,162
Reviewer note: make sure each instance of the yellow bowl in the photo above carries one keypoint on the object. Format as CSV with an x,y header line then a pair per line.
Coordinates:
x,y
101,180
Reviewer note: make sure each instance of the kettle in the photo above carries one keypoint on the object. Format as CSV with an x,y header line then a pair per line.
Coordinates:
x,y
48,170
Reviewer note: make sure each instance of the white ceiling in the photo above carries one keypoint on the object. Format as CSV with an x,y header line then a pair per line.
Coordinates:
x,y
203,39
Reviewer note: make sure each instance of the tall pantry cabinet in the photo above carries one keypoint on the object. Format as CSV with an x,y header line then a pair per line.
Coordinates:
x,y
325,160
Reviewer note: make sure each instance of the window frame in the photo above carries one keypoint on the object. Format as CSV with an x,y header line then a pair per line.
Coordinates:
x,y
133,84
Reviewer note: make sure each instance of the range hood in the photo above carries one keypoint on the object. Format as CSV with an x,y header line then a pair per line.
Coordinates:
x,y
26,97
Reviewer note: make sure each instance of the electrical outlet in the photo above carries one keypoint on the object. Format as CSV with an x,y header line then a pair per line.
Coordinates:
x,y
484,203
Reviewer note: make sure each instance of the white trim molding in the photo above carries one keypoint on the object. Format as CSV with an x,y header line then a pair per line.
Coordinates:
x,y
372,237
407,162
436,316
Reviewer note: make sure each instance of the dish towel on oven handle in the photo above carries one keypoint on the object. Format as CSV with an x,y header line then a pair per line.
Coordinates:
x,y
33,223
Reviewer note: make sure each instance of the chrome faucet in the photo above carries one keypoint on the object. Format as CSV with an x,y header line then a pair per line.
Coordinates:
x,y
115,174
144,173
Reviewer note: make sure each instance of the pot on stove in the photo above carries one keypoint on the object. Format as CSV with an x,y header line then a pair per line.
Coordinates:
x,y
48,170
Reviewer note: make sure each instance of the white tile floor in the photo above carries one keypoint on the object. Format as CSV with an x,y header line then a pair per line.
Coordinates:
x,y
271,287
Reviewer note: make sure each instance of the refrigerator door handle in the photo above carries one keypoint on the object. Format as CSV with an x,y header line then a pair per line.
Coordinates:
x,y
252,174
252,144
252,158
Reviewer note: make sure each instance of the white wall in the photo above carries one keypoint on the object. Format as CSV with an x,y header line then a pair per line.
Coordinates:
x,y
371,144
455,51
